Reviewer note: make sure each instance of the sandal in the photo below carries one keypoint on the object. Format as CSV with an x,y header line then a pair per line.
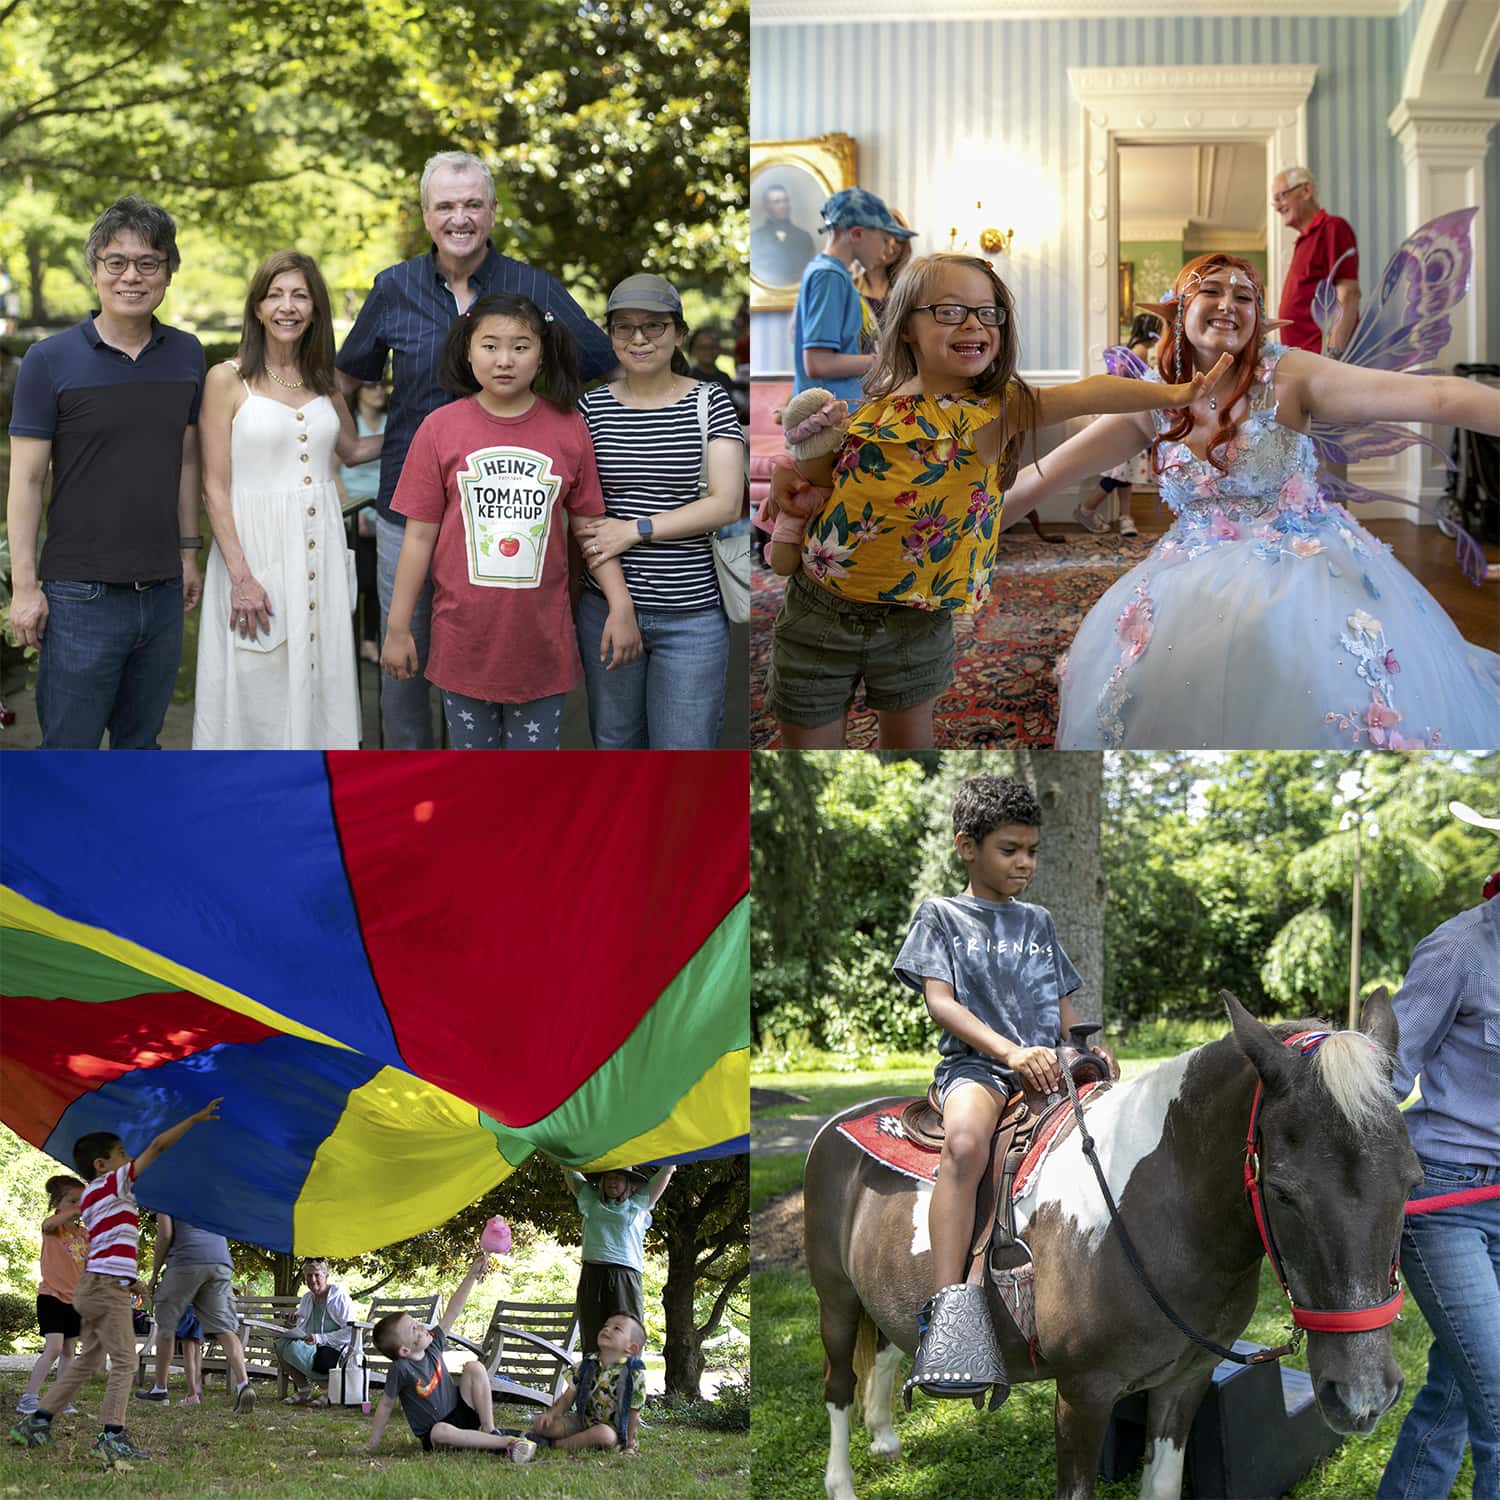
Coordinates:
x,y
958,1354
1128,526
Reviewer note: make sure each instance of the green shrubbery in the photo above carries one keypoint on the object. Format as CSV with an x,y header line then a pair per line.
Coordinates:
x,y
1231,871
17,1317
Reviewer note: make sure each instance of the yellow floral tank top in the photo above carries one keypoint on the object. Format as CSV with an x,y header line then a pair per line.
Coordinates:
x,y
913,512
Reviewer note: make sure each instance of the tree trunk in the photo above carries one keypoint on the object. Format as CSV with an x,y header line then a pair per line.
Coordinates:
x,y
684,1343
1070,876
36,269
286,1284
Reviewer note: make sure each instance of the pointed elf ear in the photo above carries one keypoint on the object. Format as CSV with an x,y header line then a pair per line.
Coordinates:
x,y
1270,325
1166,311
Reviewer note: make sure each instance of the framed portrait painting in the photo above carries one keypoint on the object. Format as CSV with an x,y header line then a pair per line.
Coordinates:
x,y
789,183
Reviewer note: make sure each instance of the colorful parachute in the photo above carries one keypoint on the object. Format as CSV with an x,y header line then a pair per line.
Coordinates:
x,y
404,973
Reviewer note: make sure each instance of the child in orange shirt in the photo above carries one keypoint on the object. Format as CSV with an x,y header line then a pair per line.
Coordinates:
x,y
65,1248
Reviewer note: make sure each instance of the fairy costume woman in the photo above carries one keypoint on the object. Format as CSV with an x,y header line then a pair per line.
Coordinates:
x,y
1267,616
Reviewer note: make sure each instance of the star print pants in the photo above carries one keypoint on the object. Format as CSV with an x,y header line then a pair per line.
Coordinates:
x,y
474,724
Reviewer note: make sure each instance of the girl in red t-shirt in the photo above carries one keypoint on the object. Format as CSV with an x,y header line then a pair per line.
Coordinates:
x,y
484,485
65,1248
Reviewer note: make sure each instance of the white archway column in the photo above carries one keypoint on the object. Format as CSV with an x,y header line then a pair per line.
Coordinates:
x,y
1443,147
1442,125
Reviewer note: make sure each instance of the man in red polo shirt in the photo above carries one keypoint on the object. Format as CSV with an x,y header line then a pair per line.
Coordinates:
x,y
1321,240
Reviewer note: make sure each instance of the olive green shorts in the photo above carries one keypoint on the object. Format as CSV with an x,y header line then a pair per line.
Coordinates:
x,y
823,645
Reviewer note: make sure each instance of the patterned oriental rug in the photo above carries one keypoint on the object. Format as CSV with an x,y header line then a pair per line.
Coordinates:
x,y
1003,692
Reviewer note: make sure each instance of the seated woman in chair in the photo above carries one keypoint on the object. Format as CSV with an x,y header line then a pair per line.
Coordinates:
x,y
317,1339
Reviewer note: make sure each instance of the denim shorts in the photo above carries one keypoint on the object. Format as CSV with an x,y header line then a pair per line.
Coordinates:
x,y
823,645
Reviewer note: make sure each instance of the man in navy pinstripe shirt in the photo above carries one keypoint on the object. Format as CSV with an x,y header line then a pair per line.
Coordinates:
x,y
407,315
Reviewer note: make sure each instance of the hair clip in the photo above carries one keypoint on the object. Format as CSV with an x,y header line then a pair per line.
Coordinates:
x,y
548,318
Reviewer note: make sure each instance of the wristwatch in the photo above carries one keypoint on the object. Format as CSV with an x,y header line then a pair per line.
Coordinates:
x,y
644,526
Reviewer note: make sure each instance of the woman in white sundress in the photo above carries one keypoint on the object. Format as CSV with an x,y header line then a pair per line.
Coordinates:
x,y
276,664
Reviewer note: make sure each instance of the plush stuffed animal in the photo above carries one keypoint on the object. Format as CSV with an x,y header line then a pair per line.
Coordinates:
x,y
814,422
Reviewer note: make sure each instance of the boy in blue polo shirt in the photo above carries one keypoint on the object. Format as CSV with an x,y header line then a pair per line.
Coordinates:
x,y
830,312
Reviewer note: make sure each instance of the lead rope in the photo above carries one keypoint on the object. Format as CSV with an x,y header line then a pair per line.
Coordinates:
x,y
1260,1357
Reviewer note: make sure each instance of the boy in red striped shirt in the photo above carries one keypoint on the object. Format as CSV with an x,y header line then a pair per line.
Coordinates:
x,y
103,1294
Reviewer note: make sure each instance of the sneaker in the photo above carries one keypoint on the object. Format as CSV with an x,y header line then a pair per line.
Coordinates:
x,y
69,1410
113,1446
143,1394
522,1450
31,1432
28,1404
1128,526
244,1398
1090,520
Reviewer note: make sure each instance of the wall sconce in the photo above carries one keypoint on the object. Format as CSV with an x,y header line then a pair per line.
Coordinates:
x,y
991,241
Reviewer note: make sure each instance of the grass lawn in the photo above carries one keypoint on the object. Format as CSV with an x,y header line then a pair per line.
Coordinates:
x,y
950,1451
296,1454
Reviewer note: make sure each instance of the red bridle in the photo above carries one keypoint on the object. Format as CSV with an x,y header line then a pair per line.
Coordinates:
x,y
1316,1320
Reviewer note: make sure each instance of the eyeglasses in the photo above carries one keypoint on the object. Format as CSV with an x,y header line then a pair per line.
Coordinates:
x,y
623,333
1278,198
956,312
147,265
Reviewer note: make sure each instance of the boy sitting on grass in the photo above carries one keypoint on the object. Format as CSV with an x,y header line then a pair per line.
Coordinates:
x,y
441,1412
602,1409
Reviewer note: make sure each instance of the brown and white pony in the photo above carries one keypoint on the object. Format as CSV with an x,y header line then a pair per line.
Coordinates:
x,y
1336,1169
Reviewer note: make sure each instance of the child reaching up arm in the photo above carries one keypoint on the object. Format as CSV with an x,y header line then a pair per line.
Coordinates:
x,y
441,1412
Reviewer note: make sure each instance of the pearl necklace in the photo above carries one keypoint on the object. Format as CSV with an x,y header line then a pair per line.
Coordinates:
x,y
291,385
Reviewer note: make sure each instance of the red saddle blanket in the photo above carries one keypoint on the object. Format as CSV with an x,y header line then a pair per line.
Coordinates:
x,y
879,1134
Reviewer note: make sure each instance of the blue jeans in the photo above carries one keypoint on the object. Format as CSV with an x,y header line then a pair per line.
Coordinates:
x,y
405,707
1451,1259
109,659
476,724
671,697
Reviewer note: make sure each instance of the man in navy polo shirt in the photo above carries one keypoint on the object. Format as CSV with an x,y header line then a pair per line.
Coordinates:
x,y
111,407
408,313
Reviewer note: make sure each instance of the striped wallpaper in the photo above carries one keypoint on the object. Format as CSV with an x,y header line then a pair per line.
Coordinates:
x,y
907,91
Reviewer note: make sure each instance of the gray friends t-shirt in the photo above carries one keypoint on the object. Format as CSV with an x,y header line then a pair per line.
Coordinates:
x,y
424,1388
1004,962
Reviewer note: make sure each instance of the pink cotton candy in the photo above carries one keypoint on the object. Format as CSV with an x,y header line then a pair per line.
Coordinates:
x,y
496,1236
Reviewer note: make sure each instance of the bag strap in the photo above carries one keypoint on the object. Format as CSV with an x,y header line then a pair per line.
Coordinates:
x,y
703,438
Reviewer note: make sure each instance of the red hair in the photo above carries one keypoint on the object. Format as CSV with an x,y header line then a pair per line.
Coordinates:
x,y
1174,359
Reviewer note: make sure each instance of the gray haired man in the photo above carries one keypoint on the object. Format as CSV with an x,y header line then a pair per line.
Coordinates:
x,y
407,316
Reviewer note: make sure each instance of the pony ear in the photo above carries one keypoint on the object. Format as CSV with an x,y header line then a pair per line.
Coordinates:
x,y
1259,1044
1378,1022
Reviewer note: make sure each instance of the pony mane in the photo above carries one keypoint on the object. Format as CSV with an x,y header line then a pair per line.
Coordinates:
x,y
1355,1071
1353,1067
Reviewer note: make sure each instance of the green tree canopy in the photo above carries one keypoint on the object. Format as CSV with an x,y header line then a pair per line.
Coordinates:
x,y
616,131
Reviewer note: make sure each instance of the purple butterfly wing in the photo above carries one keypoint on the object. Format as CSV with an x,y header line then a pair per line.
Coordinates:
x,y
1325,302
1118,360
1351,442
1407,323
1470,555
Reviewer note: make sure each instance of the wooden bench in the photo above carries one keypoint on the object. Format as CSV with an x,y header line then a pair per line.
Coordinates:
x,y
530,1350
263,1320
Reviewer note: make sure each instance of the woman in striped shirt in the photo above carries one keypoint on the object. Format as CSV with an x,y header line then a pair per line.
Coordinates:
x,y
649,445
